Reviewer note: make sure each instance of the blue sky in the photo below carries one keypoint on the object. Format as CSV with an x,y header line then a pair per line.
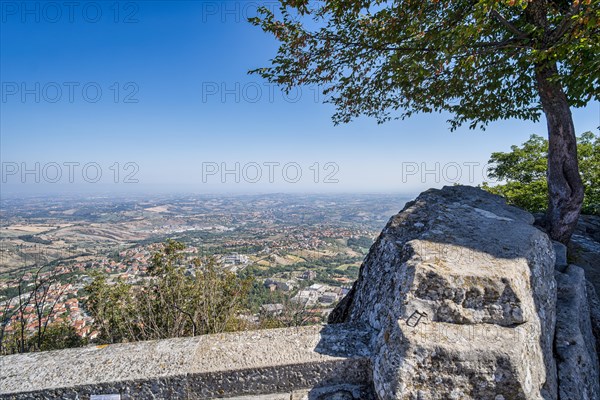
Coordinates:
x,y
176,102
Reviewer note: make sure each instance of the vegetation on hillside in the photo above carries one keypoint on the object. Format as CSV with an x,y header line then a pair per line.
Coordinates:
x,y
36,325
522,172
179,298
180,295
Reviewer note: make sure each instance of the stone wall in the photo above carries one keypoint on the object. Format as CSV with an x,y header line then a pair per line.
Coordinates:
x,y
316,362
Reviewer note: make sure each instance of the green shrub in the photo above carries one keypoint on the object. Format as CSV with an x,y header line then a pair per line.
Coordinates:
x,y
522,172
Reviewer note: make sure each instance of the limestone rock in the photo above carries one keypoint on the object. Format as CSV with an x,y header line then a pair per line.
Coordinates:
x,y
589,225
577,360
460,289
560,251
584,248
594,304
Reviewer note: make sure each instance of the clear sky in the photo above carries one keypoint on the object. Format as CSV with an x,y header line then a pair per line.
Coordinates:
x,y
158,91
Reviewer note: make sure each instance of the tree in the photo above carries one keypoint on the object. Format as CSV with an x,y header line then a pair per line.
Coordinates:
x,y
480,61
61,335
32,306
180,297
293,313
111,307
523,171
589,162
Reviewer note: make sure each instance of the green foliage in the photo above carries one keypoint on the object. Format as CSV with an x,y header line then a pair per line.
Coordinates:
x,y
260,295
34,239
26,315
61,335
293,314
179,298
589,163
474,59
360,243
523,171
111,307
58,335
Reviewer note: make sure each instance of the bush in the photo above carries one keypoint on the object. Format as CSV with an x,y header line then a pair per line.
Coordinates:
x,y
179,298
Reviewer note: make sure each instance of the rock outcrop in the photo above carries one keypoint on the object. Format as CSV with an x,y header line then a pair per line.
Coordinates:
x,y
584,251
594,304
584,248
460,289
574,341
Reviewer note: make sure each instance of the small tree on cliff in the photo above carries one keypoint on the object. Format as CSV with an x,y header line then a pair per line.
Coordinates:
x,y
479,60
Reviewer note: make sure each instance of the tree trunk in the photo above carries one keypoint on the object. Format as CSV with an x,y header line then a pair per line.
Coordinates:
x,y
565,188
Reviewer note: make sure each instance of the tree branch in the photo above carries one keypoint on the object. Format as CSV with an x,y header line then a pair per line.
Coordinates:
x,y
565,24
508,25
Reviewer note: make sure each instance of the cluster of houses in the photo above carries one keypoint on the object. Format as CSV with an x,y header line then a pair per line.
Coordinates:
x,y
60,304
319,294
315,295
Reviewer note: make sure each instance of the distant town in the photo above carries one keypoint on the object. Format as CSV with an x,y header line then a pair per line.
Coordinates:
x,y
303,251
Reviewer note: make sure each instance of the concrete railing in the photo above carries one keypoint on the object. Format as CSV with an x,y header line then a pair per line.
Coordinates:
x,y
319,362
